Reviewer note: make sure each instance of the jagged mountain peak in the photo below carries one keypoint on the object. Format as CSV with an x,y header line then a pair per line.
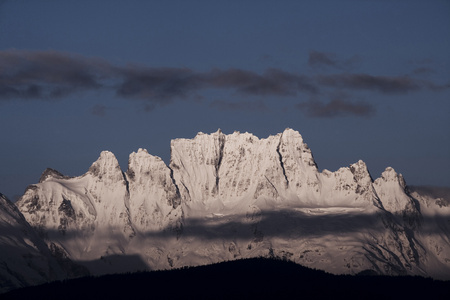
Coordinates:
x,y
51,173
142,159
391,189
229,195
389,174
106,165
201,134
141,163
107,156
142,154
291,143
226,167
142,150
359,164
291,132
361,172
288,134
245,135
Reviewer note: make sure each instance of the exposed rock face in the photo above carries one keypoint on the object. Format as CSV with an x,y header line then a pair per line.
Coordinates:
x,y
223,169
390,187
92,216
229,196
52,174
155,199
196,165
298,164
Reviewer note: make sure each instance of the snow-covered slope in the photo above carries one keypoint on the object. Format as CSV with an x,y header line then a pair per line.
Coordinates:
x,y
229,196
24,257
155,197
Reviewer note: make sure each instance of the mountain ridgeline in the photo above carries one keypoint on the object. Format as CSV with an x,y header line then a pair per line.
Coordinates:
x,y
226,197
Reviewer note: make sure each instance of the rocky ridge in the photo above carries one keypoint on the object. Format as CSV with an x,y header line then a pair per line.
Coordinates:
x,y
229,196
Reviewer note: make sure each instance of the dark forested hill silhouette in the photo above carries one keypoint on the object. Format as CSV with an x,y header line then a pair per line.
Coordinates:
x,y
261,278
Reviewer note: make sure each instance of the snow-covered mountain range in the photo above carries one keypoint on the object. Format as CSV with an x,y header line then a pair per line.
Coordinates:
x,y
223,197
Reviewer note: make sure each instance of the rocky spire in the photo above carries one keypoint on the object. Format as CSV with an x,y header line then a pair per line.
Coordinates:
x,y
390,188
106,168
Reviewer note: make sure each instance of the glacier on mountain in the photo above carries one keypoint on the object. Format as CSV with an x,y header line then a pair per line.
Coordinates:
x,y
236,196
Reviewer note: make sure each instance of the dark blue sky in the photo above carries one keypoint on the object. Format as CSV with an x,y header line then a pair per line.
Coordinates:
x,y
358,79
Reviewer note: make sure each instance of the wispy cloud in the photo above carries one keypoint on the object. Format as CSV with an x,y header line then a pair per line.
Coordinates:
x,y
319,59
157,84
271,82
51,75
383,84
336,108
48,74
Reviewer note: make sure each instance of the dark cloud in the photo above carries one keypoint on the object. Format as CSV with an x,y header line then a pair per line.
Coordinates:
x,y
336,108
271,82
383,84
239,106
158,84
50,74
26,91
53,75
47,74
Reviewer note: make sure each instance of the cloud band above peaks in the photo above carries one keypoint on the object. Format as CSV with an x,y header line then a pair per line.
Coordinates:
x,y
45,75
